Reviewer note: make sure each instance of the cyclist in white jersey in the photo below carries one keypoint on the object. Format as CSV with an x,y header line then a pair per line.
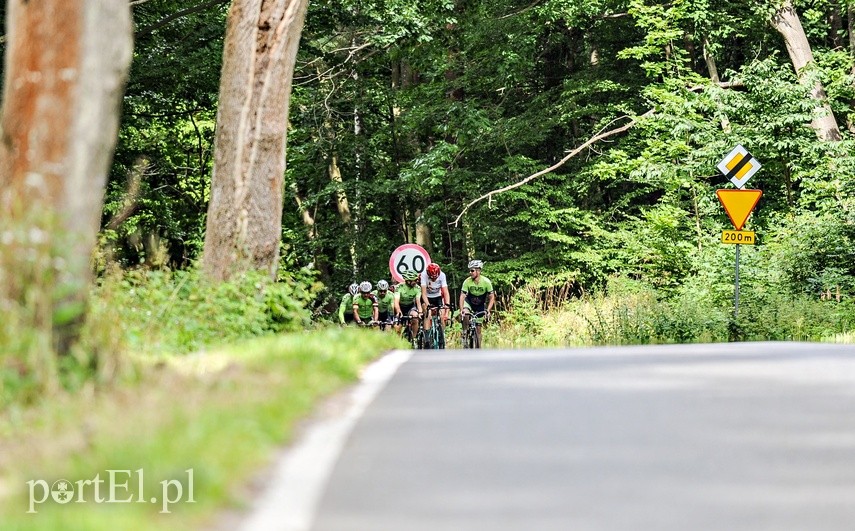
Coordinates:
x,y
435,293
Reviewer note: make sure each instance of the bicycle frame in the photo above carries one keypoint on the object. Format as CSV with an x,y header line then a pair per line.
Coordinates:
x,y
407,332
471,336
434,336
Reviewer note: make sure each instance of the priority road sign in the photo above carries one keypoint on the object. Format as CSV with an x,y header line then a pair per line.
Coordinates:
x,y
738,204
738,166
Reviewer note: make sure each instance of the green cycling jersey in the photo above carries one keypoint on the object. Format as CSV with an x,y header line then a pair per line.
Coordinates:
x,y
346,306
385,303
476,292
365,305
407,295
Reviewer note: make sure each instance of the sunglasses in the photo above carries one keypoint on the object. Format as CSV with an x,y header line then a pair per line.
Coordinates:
x,y
472,270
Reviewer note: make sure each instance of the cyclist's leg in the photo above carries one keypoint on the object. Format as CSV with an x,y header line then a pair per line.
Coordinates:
x,y
433,304
477,339
413,321
465,315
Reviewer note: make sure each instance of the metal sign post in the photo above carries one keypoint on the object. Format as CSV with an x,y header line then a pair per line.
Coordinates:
x,y
738,166
736,286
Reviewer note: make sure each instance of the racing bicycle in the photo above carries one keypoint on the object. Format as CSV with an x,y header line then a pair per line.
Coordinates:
x,y
472,334
434,336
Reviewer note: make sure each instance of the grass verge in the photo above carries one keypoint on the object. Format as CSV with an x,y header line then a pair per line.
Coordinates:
x,y
220,413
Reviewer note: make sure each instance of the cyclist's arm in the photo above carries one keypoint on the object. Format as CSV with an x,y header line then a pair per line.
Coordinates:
x,y
375,314
491,300
424,296
462,299
397,304
446,297
342,307
356,313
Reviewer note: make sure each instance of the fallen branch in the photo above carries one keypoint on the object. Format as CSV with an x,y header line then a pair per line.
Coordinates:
x,y
592,140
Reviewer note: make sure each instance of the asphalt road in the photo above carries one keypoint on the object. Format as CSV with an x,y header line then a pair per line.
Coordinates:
x,y
749,436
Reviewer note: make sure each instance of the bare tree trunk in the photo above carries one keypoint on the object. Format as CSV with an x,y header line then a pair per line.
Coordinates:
x,y
712,68
67,64
244,226
787,22
305,215
835,23
424,235
850,26
343,206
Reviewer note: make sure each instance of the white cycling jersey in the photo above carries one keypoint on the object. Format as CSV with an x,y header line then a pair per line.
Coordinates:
x,y
434,287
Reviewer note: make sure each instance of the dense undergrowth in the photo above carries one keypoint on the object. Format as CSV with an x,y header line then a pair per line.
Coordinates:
x,y
631,313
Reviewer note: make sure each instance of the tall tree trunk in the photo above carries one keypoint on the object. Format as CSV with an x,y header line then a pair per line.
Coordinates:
x,y
244,226
343,206
67,64
712,68
424,235
787,22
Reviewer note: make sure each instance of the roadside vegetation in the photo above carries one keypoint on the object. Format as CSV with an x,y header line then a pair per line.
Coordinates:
x,y
179,374
580,139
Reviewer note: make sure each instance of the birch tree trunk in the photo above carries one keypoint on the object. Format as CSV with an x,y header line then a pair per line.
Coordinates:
x,y
787,22
244,225
67,63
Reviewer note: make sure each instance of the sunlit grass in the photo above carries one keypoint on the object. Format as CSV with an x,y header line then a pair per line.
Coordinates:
x,y
221,414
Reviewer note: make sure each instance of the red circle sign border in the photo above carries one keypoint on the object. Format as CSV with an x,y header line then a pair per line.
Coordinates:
x,y
401,248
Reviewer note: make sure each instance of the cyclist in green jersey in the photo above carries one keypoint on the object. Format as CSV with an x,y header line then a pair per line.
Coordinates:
x,y
476,295
345,308
385,303
408,301
365,305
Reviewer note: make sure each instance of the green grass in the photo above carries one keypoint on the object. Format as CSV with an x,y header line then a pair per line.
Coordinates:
x,y
637,317
221,413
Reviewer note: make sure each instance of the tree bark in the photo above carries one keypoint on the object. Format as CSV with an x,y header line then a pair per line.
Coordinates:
x,y
244,225
67,63
712,68
424,235
787,22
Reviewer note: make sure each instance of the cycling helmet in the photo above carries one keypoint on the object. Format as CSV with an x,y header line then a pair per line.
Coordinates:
x,y
365,287
411,275
476,264
382,285
433,271
353,289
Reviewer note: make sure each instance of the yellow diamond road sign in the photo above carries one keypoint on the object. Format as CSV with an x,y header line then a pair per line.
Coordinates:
x,y
738,204
738,166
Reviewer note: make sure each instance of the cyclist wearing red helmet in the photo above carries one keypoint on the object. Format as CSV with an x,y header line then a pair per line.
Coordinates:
x,y
435,292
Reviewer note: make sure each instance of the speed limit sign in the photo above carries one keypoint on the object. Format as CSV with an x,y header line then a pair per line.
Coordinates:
x,y
408,257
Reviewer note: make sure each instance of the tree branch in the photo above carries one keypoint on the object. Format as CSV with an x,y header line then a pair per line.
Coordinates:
x,y
592,140
178,14
523,10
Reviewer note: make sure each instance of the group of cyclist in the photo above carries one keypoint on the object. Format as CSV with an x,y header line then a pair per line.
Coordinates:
x,y
412,300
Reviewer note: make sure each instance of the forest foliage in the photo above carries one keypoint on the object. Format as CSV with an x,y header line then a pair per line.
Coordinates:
x,y
404,112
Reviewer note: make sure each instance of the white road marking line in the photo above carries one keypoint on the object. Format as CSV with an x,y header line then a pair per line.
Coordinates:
x,y
290,501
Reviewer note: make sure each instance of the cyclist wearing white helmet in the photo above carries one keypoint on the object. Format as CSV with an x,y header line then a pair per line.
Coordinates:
x,y
365,304
476,294
345,308
385,302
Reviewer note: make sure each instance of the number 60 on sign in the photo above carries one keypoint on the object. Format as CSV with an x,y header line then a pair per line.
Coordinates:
x,y
741,237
